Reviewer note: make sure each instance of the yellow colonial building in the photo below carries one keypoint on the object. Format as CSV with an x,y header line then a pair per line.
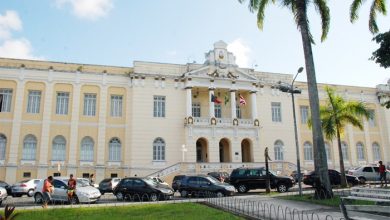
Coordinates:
x,y
61,118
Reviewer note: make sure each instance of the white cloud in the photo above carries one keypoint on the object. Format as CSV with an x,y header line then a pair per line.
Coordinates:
x,y
88,9
10,21
241,51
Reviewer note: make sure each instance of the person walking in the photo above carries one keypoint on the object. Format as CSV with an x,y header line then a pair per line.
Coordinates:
x,y
382,173
47,190
71,188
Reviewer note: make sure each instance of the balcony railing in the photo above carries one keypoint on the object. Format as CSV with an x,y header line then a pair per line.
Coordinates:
x,y
223,122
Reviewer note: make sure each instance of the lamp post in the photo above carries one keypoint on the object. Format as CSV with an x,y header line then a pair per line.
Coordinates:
x,y
290,89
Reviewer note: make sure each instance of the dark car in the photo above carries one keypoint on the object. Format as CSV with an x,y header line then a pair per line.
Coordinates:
x,y
221,176
137,188
6,186
245,179
334,178
204,185
176,182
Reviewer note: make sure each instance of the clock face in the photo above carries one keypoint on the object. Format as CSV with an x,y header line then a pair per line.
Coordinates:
x,y
221,56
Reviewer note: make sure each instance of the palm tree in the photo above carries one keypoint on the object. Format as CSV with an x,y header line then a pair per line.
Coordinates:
x,y
299,11
376,6
335,115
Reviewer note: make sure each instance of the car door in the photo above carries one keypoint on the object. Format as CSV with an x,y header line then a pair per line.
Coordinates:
x,y
192,185
139,188
256,179
60,191
376,172
126,187
369,173
334,177
204,185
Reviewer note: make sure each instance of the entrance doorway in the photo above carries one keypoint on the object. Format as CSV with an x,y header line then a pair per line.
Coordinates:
x,y
202,151
224,151
246,151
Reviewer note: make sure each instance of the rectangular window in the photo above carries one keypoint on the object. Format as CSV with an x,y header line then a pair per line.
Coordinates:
x,y
5,100
276,112
238,111
159,106
114,175
218,110
56,174
371,119
196,110
86,175
304,114
116,106
89,104
62,103
34,101
26,175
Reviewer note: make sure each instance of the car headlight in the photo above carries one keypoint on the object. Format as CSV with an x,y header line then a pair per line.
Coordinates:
x,y
166,191
229,188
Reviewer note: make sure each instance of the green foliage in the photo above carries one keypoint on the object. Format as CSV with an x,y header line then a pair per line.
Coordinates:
x,y
382,54
8,210
376,6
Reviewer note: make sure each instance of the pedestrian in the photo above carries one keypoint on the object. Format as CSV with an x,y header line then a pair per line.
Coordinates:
x,y
382,173
91,180
47,190
71,188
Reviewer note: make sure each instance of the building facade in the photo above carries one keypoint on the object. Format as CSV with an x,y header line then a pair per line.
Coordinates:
x,y
62,118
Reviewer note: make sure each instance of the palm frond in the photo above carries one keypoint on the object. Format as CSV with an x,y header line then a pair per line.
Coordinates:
x,y
260,13
353,12
323,9
351,119
372,25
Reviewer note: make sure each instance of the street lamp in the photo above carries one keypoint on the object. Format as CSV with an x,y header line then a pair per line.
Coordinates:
x,y
290,89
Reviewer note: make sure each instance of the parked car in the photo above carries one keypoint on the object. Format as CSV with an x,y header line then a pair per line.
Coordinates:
x,y
25,187
245,179
84,193
334,178
204,185
107,185
6,186
139,188
177,181
3,195
294,175
160,181
221,176
367,173
86,181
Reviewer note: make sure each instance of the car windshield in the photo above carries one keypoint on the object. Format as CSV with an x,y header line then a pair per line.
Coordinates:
x,y
150,181
212,179
79,182
273,173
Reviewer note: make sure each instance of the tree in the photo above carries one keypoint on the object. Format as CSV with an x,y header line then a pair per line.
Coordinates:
x,y
376,6
335,115
382,54
299,11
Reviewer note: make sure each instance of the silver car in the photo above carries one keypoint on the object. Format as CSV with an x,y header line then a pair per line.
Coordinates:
x,y
3,195
367,173
84,193
25,187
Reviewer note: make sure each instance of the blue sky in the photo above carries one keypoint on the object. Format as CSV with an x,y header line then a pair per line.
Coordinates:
x,y
117,32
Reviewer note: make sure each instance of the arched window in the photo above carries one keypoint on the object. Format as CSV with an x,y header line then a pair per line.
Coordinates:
x,y
278,150
308,151
158,149
3,144
344,150
86,149
58,148
360,151
114,150
328,152
376,151
29,147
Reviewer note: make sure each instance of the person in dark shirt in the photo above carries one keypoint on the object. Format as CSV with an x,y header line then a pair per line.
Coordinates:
x,y
382,173
71,188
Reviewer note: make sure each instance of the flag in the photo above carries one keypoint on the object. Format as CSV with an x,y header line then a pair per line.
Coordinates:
x,y
215,99
242,100
226,99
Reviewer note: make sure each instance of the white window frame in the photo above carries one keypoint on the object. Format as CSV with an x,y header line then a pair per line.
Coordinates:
x,y
29,148
308,151
159,106
114,150
87,149
159,149
238,111
62,103
276,108
279,150
116,105
89,104
376,151
360,151
6,100
3,145
196,110
218,110
304,113
58,149
34,101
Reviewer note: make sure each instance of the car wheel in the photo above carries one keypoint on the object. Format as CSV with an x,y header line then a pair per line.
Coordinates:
x,y
119,196
184,193
220,194
362,180
153,197
282,188
30,193
38,198
242,188
127,197
74,200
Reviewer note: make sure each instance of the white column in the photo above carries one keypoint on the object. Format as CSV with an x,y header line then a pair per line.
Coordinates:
x,y
74,128
233,103
189,101
254,105
367,145
15,135
211,104
101,145
44,146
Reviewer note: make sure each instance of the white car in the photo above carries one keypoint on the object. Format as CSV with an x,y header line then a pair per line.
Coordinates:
x,y
25,187
84,193
3,195
86,181
367,173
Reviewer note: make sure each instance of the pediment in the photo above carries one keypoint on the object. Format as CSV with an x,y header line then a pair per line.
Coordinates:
x,y
221,72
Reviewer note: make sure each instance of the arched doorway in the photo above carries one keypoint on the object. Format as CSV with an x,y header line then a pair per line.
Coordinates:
x,y
246,151
202,150
224,151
